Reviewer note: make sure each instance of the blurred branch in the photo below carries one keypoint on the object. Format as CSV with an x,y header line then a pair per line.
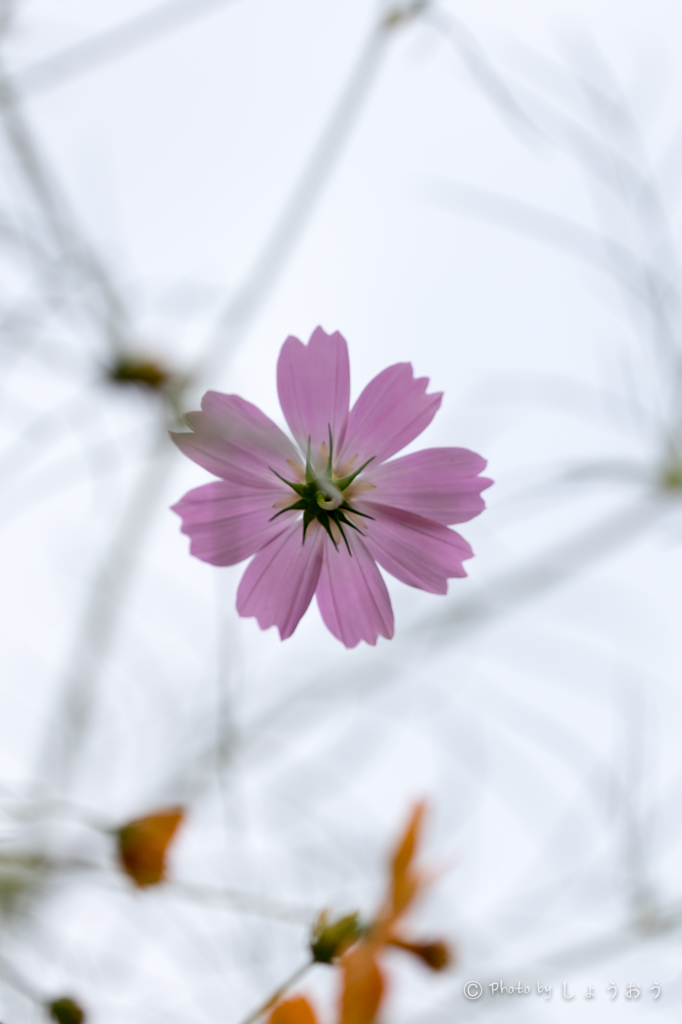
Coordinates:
x,y
278,993
10,976
59,220
103,610
241,309
483,71
601,252
100,618
248,903
111,45
510,590
605,141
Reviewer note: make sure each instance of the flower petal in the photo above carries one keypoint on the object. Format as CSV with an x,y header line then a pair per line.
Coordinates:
x,y
279,583
352,596
439,483
227,522
313,382
235,440
415,550
392,410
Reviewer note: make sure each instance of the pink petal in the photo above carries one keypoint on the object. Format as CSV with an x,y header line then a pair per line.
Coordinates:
x,y
227,522
236,441
438,483
352,596
392,410
279,583
313,382
415,550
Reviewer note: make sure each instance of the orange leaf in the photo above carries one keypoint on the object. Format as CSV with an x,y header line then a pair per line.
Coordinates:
x,y
142,845
363,985
405,880
293,1011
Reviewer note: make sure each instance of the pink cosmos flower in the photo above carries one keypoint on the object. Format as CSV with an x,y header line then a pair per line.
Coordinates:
x,y
319,517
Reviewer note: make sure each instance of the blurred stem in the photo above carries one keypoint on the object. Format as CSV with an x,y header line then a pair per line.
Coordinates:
x,y
278,993
10,976
103,609
483,71
508,591
244,902
241,309
101,616
58,218
112,44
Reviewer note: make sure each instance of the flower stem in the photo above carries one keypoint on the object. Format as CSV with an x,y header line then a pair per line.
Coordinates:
x,y
278,993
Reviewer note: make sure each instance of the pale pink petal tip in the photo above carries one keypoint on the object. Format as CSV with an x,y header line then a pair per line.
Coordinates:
x,y
227,523
415,550
352,596
279,583
313,382
392,410
438,483
234,440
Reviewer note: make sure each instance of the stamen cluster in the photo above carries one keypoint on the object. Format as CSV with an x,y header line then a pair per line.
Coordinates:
x,y
322,498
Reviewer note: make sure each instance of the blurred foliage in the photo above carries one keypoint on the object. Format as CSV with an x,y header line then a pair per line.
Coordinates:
x,y
67,1011
143,845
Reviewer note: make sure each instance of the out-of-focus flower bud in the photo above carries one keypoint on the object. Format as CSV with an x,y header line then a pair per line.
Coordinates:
x,y
66,1011
144,373
436,955
331,939
143,843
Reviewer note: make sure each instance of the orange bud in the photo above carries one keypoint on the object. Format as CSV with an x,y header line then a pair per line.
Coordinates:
x,y
142,845
293,1011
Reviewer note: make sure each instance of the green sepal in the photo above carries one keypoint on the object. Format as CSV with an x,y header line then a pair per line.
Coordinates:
x,y
309,474
323,520
342,519
297,505
330,939
331,449
355,512
308,517
299,488
346,481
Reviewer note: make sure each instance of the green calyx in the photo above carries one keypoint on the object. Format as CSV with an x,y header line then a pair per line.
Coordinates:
x,y
330,939
321,498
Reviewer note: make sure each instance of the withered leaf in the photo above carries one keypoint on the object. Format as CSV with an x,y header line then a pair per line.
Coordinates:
x,y
143,844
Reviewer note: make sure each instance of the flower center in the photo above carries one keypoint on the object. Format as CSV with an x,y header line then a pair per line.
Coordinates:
x,y
322,497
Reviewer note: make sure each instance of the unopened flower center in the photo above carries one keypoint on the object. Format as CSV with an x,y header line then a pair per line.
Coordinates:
x,y
322,497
